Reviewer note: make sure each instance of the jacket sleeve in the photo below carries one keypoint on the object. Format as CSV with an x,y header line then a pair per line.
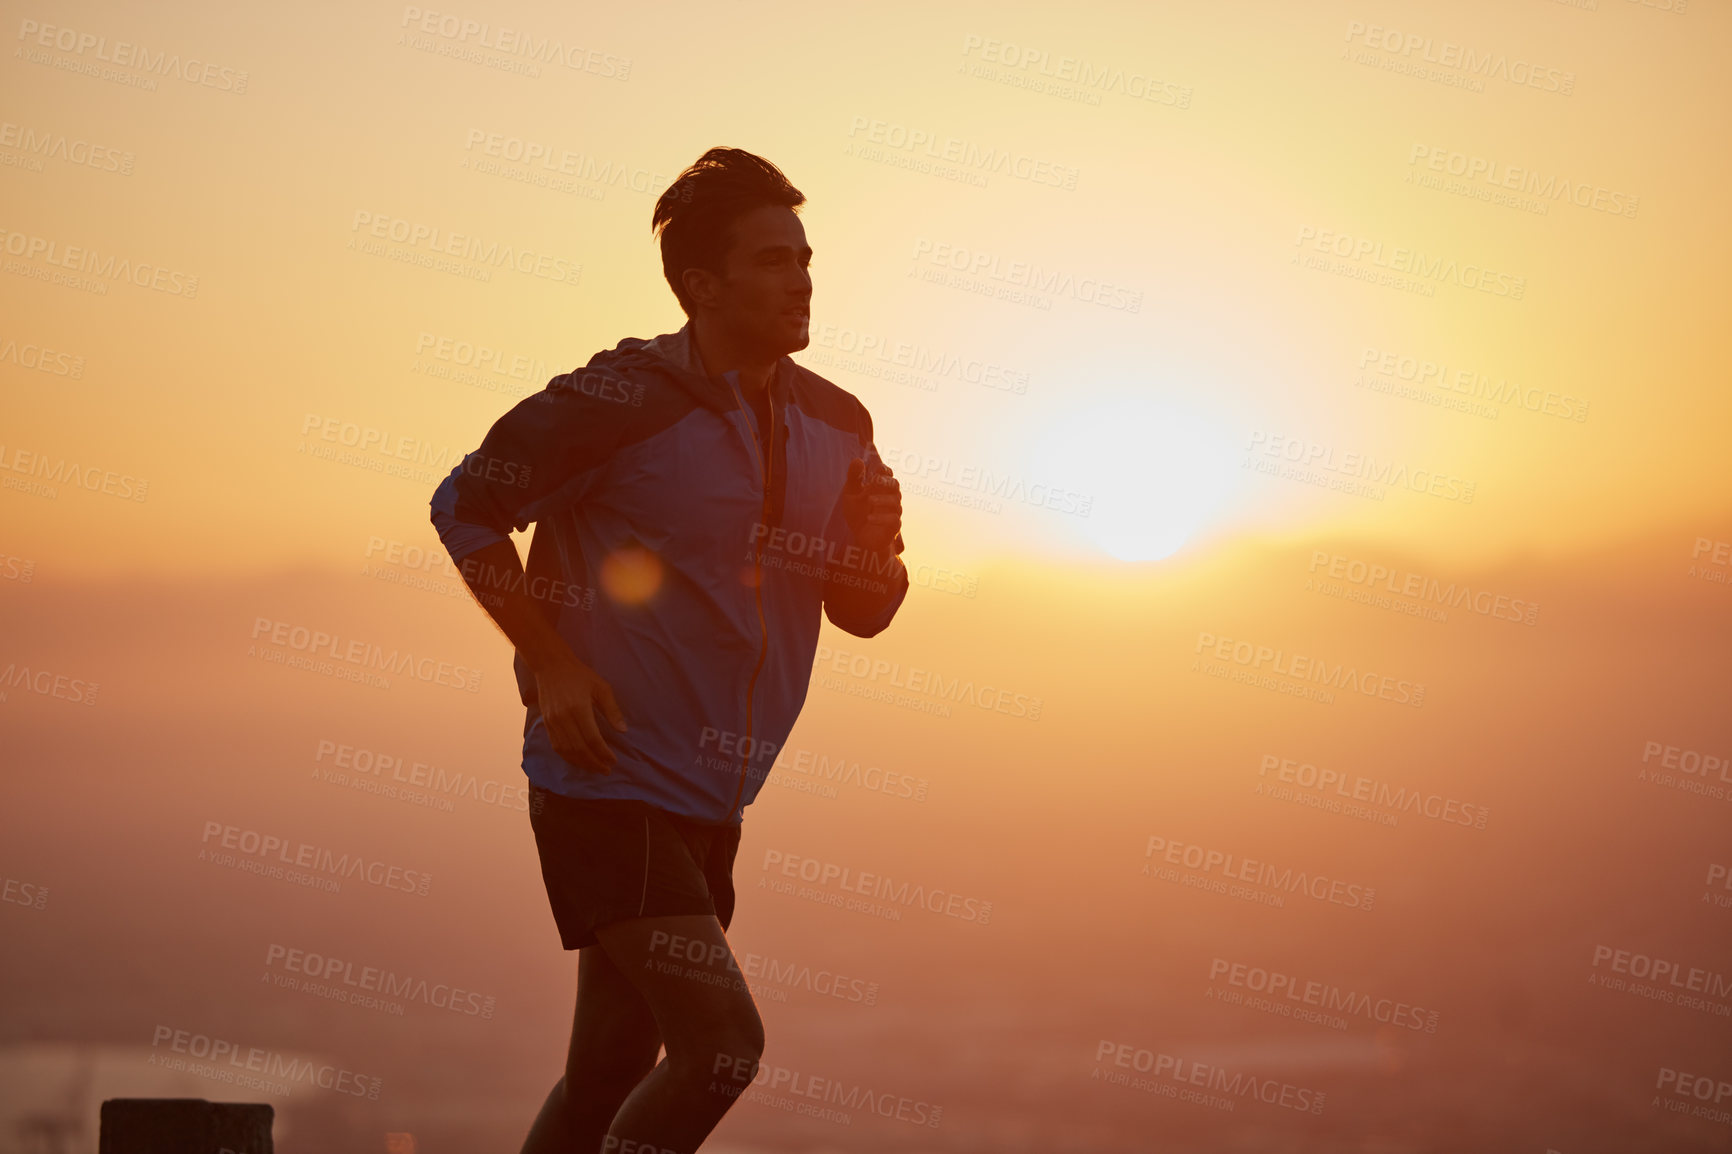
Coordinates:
x,y
862,597
539,457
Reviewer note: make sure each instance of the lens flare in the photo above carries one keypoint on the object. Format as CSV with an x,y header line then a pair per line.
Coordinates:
x,y
631,576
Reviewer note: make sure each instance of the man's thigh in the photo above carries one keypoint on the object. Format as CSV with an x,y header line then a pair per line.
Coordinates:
x,y
683,968
613,1032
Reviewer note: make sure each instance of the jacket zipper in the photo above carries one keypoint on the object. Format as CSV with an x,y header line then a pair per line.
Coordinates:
x,y
766,461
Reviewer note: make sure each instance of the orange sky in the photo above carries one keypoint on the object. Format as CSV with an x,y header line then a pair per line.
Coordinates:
x,y
1262,148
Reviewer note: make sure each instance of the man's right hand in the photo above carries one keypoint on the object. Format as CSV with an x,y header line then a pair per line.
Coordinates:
x,y
571,696
570,693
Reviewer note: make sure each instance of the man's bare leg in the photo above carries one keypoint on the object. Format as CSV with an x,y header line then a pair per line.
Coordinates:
x,y
614,1041
712,1031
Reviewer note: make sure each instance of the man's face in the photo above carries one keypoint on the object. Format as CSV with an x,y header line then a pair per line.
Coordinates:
x,y
764,298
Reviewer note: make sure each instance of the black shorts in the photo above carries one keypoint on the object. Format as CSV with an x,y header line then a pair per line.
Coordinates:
x,y
615,859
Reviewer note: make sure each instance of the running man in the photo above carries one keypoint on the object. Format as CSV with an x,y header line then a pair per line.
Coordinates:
x,y
700,498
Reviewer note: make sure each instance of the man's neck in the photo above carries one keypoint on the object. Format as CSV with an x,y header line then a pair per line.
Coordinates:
x,y
719,355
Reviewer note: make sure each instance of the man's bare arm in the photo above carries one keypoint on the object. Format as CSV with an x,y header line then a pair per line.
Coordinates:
x,y
569,693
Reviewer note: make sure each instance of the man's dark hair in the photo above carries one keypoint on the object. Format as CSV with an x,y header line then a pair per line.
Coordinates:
x,y
695,216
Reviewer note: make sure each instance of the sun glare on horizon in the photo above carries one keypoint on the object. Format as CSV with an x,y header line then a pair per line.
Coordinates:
x,y
1157,473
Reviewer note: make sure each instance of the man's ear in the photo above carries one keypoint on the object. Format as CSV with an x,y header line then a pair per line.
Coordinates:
x,y
702,286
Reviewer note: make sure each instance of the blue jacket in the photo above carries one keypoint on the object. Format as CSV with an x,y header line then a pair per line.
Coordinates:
x,y
671,567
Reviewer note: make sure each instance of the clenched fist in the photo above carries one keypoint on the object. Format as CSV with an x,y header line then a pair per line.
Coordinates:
x,y
872,505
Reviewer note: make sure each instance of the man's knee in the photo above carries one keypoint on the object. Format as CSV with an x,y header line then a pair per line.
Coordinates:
x,y
734,1068
731,1041
747,1035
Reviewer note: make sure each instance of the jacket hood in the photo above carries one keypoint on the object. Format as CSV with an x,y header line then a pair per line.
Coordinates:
x,y
672,358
